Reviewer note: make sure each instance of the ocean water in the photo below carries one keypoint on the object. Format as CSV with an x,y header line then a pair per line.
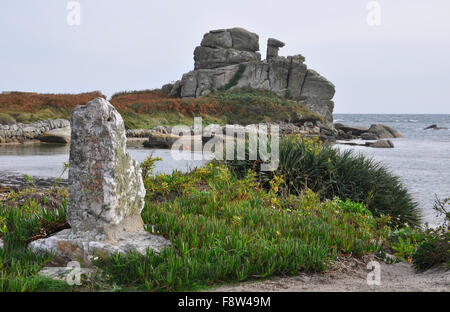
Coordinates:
x,y
47,160
421,158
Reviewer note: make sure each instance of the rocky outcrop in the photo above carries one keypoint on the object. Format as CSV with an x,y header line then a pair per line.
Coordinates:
x,y
381,131
106,191
232,54
381,144
18,133
375,132
160,140
352,129
162,137
224,47
435,127
60,136
273,46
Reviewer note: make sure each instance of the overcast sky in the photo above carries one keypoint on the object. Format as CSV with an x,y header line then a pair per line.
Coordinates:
x,y
400,66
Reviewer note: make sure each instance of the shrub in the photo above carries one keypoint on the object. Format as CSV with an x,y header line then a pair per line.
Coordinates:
x,y
432,252
435,249
305,163
6,118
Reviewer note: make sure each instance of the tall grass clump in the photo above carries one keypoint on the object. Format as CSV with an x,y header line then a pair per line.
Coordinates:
x,y
306,163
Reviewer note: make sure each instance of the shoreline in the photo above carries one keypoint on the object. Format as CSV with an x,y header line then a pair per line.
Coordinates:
x,y
351,276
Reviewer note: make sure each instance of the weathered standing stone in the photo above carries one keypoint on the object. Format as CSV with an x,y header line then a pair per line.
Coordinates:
x,y
106,191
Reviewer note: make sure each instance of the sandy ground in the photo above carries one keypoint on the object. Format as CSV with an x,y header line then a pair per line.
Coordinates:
x,y
351,276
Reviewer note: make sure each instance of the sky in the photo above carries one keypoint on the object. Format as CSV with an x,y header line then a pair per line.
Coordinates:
x,y
389,58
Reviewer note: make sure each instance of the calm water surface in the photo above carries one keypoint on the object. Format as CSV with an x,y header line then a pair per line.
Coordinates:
x,y
47,160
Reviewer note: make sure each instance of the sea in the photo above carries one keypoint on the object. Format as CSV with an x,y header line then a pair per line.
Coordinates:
x,y
421,159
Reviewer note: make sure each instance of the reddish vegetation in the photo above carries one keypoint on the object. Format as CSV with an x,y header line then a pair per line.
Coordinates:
x,y
241,106
157,100
33,102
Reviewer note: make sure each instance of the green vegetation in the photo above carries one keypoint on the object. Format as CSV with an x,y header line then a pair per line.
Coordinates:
x,y
435,248
224,228
6,118
18,266
306,163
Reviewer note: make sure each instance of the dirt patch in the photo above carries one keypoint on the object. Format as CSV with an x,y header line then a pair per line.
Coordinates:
x,y
351,276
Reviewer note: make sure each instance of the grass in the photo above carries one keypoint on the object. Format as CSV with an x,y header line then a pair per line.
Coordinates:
x,y
223,229
19,267
149,108
306,163
234,231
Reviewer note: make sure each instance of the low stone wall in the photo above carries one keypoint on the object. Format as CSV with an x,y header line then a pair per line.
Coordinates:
x,y
19,133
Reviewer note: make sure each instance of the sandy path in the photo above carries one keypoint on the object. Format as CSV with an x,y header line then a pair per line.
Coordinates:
x,y
353,277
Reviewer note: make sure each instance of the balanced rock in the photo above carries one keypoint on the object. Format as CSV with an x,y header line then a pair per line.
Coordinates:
x,y
106,191
273,46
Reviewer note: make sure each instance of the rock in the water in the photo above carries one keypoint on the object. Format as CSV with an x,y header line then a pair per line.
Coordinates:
x,y
381,144
384,132
106,191
369,136
61,135
160,140
352,129
435,127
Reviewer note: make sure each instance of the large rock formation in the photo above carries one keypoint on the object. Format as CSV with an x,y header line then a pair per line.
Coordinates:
x,y
223,53
106,191
226,47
